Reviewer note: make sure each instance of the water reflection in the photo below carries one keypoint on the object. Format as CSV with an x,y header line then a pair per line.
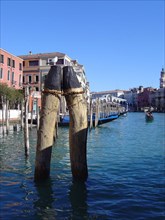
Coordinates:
x,y
78,200
28,167
44,204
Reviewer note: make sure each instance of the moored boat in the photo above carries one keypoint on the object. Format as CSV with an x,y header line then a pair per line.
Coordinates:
x,y
64,121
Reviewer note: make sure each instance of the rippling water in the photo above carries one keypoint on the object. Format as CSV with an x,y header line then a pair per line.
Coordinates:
x,y
126,162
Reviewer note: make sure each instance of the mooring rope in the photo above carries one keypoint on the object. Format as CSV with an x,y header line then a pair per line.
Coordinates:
x,y
64,93
52,92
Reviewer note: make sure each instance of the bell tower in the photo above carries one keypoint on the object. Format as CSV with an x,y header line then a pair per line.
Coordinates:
x,y
162,78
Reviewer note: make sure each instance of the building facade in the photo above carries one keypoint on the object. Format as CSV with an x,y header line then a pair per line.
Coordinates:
x,y
37,66
141,98
160,93
11,69
144,99
160,100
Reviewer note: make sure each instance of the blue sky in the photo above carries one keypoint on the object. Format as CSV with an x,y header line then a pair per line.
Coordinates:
x,y
120,43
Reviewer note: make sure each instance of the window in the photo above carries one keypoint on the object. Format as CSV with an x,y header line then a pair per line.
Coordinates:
x,y
29,79
37,78
13,63
20,80
37,89
23,79
20,66
1,73
12,78
8,61
34,63
1,58
60,61
23,63
8,75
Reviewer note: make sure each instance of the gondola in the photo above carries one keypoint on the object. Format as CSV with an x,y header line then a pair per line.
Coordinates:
x,y
149,116
64,121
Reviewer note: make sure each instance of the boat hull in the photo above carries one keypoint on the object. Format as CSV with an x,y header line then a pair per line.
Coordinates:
x,y
149,118
65,120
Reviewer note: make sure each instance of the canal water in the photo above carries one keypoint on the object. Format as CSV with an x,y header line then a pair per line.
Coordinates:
x,y
126,162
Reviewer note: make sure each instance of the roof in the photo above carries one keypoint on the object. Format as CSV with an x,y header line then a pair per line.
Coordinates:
x,y
42,55
11,54
107,92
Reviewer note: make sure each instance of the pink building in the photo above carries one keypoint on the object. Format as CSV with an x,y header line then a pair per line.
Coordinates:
x,y
11,69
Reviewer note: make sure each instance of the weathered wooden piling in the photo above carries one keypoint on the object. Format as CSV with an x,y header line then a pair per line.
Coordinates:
x,y
22,114
97,113
31,121
26,129
78,126
48,118
3,115
38,116
7,116
91,115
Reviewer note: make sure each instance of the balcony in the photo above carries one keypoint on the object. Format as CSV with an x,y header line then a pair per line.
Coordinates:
x,y
31,69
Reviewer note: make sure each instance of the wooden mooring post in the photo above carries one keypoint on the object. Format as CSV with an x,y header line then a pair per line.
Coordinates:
x,y
78,126
97,112
50,105
38,115
32,113
22,114
26,128
91,114
3,116
7,116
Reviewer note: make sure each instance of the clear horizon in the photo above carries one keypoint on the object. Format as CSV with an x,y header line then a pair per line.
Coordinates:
x,y
120,43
